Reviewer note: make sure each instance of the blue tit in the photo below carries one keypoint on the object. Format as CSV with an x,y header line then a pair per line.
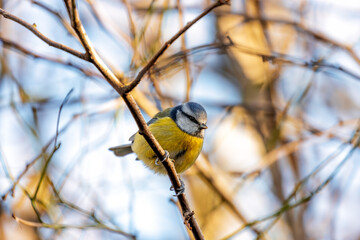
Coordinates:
x,y
179,130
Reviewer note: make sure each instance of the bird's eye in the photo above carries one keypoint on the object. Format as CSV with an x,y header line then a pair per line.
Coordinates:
x,y
192,119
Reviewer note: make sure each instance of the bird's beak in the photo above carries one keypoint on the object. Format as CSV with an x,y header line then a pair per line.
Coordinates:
x,y
203,126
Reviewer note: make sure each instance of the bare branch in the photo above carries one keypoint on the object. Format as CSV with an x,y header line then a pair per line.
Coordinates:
x,y
183,48
63,226
135,111
90,50
168,43
286,206
92,56
13,45
105,26
301,28
286,59
34,30
208,175
66,25
131,19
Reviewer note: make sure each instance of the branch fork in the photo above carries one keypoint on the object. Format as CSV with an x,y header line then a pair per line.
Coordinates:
x,y
91,55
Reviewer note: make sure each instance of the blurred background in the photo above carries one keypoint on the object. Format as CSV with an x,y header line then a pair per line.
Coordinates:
x,y
279,80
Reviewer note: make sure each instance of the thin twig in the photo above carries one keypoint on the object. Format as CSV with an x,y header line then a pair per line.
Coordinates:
x,y
66,99
299,27
92,56
34,30
87,213
355,141
43,171
13,45
157,88
183,48
212,181
167,44
135,111
105,27
279,58
32,162
66,25
64,226
90,50
56,146
131,19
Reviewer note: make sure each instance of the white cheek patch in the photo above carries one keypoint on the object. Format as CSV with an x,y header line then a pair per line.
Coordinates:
x,y
200,116
185,124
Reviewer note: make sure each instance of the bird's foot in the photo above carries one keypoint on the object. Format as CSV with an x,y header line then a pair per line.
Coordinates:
x,y
158,161
180,190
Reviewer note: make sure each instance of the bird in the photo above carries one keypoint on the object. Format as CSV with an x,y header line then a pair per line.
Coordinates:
x,y
180,131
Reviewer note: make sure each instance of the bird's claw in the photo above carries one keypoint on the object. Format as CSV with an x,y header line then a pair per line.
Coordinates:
x,y
180,190
158,161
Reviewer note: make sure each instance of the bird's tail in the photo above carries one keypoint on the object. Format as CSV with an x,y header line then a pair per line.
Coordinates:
x,y
122,150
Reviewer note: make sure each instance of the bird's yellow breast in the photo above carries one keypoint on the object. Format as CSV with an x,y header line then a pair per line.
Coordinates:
x,y
182,147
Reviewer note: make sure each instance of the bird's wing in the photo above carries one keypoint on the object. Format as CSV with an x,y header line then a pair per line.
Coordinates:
x,y
162,114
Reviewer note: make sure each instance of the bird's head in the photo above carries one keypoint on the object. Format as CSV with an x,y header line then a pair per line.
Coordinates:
x,y
190,117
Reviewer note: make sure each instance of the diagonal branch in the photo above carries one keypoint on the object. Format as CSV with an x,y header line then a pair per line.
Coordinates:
x,y
183,48
56,14
22,50
133,84
287,205
92,56
300,27
63,226
134,109
279,58
34,30
89,48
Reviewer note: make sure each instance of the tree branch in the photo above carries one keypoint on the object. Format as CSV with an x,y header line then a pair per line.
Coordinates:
x,y
15,46
134,109
286,59
92,56
166,45
183,48
63,226
56,14
300,28
287,205
34,30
